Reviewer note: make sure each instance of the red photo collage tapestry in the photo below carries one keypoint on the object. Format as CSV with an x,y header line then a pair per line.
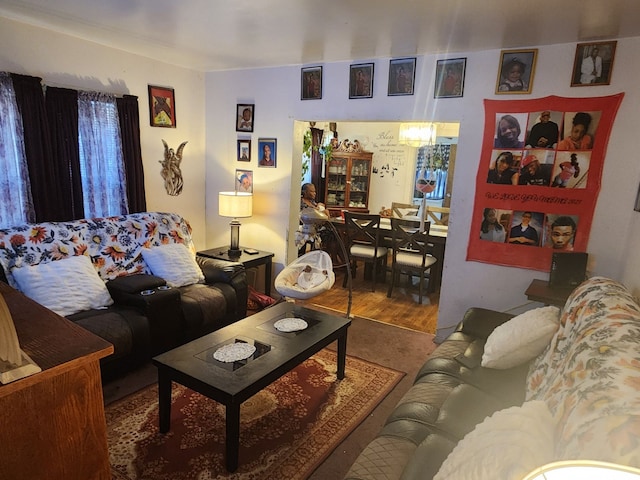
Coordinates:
x,y
539,178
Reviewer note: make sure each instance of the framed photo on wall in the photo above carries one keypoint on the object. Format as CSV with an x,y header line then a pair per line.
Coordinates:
x,y
244,117
267,152
516,70
311,83
450,78
402,74
244,181
162,107
244,150
361,80
593,64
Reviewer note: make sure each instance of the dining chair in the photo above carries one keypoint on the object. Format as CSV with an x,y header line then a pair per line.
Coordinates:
x,y
411,253
438,215
399,210
363,240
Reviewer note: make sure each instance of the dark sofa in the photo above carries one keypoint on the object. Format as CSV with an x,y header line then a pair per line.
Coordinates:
x,y
147,316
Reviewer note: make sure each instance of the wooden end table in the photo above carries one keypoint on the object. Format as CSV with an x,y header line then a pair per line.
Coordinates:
x,y
540,291
248,260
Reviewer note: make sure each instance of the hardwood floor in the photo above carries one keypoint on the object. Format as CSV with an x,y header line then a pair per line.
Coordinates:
x,y
402,309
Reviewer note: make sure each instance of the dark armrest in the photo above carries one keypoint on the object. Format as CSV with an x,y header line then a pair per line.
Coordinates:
x,y
480,322
134,284
231,273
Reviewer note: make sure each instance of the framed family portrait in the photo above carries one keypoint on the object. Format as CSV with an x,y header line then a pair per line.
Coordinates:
x,y
402,75
244,150
449,78
162,107
244,117
593,64
244,181
516,71
267,152
311,83
361,80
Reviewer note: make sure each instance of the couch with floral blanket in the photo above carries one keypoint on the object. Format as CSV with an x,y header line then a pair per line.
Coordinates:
x,y
503,395
133,279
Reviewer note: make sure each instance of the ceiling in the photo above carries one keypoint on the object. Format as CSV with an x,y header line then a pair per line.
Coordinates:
x,y
210,35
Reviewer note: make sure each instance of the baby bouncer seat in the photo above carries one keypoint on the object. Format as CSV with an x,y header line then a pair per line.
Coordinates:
x,y
307,276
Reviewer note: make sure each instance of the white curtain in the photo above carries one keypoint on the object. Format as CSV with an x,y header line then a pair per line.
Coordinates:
x,y
16,203
101,160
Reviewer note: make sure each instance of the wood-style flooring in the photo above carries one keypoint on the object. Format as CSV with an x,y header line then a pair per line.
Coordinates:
x,y
402,309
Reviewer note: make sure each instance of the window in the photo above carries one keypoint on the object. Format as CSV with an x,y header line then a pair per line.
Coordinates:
x,y
16,204
433,160
101,162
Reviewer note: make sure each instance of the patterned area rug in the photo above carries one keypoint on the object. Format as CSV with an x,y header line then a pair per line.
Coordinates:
x,y
286,430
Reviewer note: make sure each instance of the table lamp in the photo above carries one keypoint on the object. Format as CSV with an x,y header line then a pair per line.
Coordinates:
x,y
235,205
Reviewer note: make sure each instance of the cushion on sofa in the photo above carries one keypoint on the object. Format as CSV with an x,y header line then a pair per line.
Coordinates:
x,y
521,339
507,445
173,262
66,286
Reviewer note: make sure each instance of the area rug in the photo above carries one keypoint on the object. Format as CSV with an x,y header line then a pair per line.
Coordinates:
x,y
286,430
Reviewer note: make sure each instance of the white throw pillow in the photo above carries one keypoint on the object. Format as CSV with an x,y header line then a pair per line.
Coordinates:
x,y
66,286
173,262
521,339
506,446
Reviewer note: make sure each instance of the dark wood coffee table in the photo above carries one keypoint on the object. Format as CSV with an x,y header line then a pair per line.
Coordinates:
x,y
230,384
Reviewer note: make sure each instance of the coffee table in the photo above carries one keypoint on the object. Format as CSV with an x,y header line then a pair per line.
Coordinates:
x,y
194,366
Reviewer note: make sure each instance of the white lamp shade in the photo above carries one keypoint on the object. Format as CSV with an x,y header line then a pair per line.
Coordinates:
x,y
235,204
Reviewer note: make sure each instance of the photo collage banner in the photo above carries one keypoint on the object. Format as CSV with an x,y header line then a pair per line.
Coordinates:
x,y
539,177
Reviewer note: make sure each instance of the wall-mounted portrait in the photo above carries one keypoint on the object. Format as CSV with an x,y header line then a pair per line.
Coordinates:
x,y
515,74
361,80
311,83
402,74
593,64
244,181
267,152
449,78
244,117
244,150
162,107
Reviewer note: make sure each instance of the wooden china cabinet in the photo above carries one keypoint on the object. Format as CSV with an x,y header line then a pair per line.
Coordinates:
x,y
348,179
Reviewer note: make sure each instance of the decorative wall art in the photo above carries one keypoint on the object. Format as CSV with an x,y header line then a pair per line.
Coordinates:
x,y
402,74
361,80
244,117
450,78
516,71
593,64
162,107
267,152
538,178
244,181
171,172
311,83
244,150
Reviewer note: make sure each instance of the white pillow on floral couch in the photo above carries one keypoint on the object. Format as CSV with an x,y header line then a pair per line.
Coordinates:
x,y
175,263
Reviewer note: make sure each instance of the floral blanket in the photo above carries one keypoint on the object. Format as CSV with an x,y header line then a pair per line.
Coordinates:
x,y
114,244
589,375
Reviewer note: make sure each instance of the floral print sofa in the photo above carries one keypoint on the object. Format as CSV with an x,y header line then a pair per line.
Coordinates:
x,y
577,398
138,325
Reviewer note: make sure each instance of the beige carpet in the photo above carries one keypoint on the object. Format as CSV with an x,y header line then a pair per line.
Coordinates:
x,y
287,430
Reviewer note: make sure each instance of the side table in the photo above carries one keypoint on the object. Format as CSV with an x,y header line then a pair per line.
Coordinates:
x,y
540,291
249,261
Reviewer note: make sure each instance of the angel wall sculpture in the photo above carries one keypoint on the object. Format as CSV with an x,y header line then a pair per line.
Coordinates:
x,y
171,169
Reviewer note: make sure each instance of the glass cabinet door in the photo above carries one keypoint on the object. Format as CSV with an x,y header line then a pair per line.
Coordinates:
x,y
359,183
336,183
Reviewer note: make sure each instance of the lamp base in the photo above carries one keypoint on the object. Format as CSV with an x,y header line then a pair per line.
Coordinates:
x,y
234,252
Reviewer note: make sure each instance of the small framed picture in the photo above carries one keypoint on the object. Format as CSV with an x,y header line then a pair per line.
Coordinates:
x,y
244,181
267,152
244,150
516,71
593,64
162,107
361,80
244,117
311,83
449,78
402,74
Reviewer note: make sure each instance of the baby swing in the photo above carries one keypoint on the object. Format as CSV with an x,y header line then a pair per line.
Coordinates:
x,y
307,276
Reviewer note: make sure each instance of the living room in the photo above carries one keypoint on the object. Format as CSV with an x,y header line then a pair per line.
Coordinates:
x,y
205,106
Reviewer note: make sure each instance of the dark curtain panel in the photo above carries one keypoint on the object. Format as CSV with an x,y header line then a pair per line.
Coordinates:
x,y
62,113
43,174
130,132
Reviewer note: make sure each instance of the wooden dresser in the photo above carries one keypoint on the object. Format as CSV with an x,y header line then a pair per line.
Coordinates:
x,y
52,423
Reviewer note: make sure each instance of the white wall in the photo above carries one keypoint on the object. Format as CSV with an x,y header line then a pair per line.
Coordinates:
x,y
64,61
276,93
